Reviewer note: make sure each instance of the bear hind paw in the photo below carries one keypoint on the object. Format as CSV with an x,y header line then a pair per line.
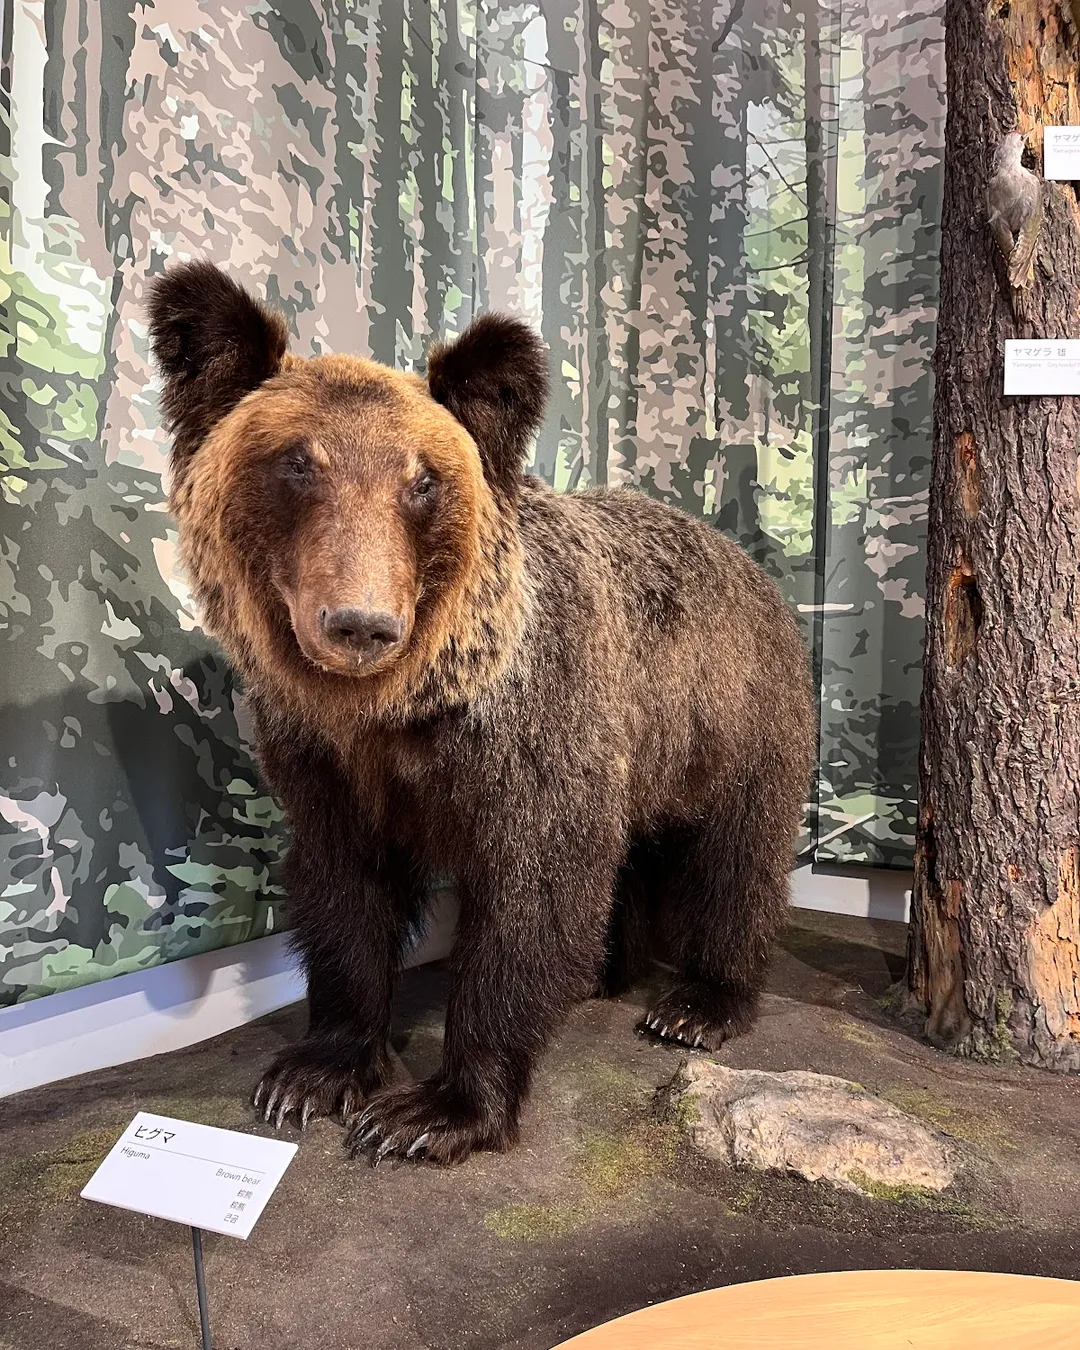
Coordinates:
x,y
700,1014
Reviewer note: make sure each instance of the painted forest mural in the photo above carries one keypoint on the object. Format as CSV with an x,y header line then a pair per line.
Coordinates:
x,y
722,217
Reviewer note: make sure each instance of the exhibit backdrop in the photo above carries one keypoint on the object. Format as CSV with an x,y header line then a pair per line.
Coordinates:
x,y
723,219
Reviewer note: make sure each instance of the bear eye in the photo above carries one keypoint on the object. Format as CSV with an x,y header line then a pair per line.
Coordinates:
x,y
424,487
295,465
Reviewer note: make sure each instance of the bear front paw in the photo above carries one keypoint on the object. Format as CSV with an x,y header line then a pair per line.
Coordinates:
x,y
307,1080
425,1121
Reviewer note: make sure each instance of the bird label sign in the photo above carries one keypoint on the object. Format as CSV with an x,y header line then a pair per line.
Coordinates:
x,y
1042,367
1061,154
215,1179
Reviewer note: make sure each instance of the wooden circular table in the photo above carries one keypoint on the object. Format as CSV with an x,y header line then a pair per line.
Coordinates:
x,y
857,1310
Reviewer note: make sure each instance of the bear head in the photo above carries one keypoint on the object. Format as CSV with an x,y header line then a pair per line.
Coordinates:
x,y
348,528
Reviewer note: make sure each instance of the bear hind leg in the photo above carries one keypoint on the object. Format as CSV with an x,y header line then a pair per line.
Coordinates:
x,y
628,947
723,903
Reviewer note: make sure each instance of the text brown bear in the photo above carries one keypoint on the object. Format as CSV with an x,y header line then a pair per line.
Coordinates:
x,y
590,710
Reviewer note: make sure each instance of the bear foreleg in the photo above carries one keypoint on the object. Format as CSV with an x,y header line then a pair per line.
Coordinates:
x,y
524,955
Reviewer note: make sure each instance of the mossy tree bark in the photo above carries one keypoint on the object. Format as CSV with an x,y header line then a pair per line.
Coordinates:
x,y
995,944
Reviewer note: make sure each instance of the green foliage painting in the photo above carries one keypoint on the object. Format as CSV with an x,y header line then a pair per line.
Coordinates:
x,y
723,219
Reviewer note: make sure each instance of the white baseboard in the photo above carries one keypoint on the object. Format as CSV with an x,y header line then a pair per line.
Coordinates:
x,y
173,1006
164,1008
865,892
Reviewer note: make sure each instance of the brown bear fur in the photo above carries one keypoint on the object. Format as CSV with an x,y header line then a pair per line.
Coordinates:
x,y
591,710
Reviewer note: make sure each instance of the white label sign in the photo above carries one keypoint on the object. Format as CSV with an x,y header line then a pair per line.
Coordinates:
x,y
1061,153
1042,367
219,1180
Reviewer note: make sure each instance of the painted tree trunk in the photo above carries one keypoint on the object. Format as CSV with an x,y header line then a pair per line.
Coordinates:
x,y
995,946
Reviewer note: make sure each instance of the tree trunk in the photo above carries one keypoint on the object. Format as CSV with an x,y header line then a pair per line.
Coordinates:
x,y
821,148
995,946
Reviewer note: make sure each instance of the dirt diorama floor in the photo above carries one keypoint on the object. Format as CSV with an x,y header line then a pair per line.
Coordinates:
x,y
603,1207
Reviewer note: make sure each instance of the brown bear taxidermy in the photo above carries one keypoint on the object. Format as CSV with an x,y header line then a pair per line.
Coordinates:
x,y
590,710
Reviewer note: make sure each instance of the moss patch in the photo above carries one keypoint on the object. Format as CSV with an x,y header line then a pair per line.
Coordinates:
x,y
934,1202
858,1033
530,1223
1002,1050
228,1112
897,1192
607,1167
682,1112
605,1092
52,1177
783,1203
609,1164
973,1127
897,1000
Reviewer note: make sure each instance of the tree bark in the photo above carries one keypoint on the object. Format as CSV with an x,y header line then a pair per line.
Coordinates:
x,y
995,939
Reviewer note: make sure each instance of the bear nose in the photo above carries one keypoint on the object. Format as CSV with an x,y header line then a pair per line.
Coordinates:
x,y
369,634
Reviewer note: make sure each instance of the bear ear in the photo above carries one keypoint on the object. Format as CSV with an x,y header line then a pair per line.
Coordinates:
x,y
213,344
494,379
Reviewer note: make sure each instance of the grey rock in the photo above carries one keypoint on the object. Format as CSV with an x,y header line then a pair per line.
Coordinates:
x,y
819,1127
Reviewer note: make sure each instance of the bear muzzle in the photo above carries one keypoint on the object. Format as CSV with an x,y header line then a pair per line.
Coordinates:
x,y
358,637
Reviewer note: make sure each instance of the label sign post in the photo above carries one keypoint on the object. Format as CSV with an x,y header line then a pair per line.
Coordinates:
x,y
197,1175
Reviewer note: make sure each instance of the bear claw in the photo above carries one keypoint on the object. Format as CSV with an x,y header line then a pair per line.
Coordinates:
x,y
361,1120
701,1015
304,1082
424,1121
385,1148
